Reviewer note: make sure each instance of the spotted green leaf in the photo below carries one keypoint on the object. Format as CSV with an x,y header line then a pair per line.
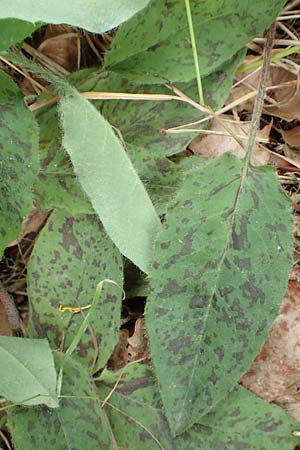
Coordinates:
x,y
141,122
56,185
107,175
71,256
27,370
13,31
160,176
155,44
241,421
77,424
220,272
18,160
94,15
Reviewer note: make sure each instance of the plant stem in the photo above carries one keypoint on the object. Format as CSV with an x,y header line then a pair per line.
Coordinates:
x,y
194,48
259,102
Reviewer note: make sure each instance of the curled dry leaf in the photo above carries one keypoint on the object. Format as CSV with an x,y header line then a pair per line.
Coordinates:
x,y
216,144
61,45
138,342
274,374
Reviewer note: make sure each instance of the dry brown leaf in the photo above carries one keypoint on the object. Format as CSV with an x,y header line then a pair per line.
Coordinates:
x,y
60,44
283,96
211,145
292,137
5,328
251,83
32,223
138,342
275,372
119,358
287,98
291,153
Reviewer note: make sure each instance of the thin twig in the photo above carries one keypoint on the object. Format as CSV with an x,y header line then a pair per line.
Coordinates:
x,y
208,111
231,105
125,96
259,102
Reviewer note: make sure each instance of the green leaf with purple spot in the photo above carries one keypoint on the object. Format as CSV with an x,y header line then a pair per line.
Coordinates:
x,y
154,46
71,256
141,122
19,161
241,421
220,272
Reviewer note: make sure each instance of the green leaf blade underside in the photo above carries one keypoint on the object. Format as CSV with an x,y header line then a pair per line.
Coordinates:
x,y
241,421
155,44
107,175
220,272
71,256
77,424
96,16
27,369
18,160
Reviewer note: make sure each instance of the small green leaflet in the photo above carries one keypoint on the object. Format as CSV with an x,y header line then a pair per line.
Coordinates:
x,y
18,160
220,272
27,369
107,175
93,15
77,424
241,421
71,256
